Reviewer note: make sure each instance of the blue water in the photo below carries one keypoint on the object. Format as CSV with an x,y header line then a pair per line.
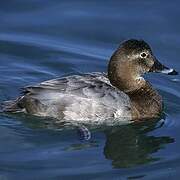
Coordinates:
x,y
44,39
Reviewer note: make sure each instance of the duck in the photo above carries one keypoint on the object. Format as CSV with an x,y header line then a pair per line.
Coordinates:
x,y
121,94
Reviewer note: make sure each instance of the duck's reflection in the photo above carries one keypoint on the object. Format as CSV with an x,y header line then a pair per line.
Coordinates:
x,y
130,145
126,145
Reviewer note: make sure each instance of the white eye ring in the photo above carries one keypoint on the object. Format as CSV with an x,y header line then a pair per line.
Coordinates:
x,y
143,55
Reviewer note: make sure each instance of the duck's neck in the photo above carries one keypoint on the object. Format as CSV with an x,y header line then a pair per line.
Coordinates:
x,y
146,102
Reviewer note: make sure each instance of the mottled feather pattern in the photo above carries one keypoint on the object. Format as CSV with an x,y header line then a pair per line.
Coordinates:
x,y
88,97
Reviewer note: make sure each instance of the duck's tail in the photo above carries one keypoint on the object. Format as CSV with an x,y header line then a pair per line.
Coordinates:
x,y
10,106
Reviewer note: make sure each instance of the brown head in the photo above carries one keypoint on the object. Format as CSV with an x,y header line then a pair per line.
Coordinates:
x,y
130,61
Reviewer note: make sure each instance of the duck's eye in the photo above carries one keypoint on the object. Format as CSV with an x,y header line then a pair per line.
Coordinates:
x,y
143,55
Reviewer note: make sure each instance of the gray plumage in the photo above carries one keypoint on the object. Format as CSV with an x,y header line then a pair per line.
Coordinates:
x,y
88,97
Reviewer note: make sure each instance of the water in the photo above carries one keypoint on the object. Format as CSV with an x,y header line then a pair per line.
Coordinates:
x,y
44,39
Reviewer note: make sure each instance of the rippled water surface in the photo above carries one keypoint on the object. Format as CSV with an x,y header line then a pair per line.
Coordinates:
x,y
44,39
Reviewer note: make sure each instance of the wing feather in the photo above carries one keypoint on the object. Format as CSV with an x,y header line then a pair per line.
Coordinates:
x,y
76,97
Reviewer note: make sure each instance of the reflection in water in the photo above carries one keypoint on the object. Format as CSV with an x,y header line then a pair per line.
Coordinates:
x,y
130,145
126,145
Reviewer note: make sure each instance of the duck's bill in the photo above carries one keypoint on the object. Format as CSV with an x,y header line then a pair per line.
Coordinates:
x,y
160,68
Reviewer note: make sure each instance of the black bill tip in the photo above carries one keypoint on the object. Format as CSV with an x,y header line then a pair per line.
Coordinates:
x,y
169,72
173,72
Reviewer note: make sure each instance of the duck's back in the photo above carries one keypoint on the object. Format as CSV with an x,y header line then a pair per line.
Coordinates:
x,y
88,97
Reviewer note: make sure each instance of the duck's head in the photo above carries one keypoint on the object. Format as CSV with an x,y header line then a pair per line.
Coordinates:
x,y
130,61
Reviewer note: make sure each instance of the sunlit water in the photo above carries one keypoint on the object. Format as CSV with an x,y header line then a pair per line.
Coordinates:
x,y
44,39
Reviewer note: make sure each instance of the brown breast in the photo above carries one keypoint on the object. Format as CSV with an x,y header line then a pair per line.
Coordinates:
x,y
146,103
